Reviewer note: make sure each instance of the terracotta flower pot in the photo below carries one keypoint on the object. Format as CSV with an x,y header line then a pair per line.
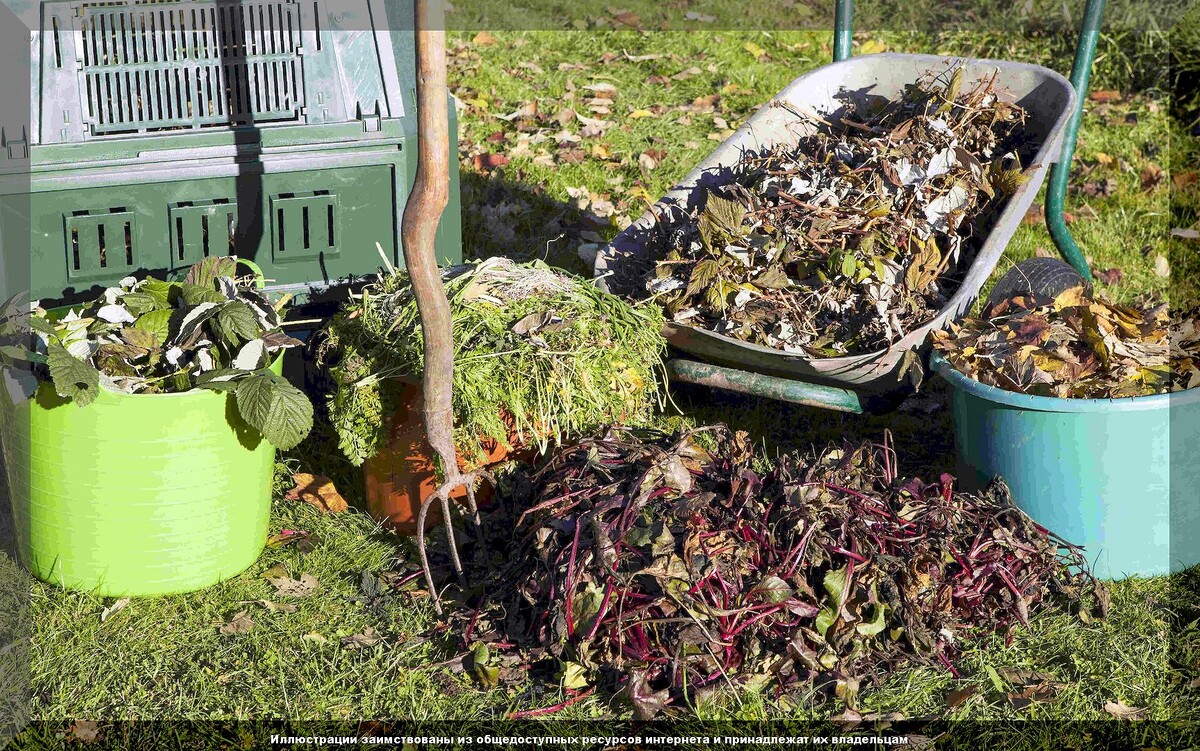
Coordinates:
x,y
402,475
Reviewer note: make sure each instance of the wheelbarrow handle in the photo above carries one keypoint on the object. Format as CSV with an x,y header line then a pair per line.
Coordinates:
x,y
1081,72
1056,190
843,29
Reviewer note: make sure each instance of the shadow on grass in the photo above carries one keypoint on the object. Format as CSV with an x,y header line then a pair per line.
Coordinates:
x,y
518,220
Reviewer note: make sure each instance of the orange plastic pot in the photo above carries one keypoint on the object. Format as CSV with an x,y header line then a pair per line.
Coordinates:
x,y
402,475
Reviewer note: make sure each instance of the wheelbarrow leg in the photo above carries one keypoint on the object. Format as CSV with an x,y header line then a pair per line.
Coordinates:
x,y
1056,192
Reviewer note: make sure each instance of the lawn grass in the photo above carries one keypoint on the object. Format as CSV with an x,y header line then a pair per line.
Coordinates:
x,y
166,658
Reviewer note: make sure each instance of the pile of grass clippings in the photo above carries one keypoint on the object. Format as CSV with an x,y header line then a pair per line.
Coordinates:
x,y
667,567
855,235
1076,346
539,355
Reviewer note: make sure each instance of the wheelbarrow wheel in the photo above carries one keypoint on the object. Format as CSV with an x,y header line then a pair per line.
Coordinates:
x,y
1041,277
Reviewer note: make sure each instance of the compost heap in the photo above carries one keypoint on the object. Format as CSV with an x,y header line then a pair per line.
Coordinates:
x,y
539,355
212,330
1077,346
666,567
855,235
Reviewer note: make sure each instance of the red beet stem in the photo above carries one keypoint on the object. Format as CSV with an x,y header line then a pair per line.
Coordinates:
x,y
552,709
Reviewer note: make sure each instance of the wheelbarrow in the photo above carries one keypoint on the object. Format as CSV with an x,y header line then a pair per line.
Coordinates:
x,y
876,381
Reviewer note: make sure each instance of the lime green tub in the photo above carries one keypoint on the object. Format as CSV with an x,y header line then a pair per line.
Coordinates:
x,y
142,494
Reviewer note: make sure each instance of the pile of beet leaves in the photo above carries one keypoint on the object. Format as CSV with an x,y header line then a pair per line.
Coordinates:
x,y
665,567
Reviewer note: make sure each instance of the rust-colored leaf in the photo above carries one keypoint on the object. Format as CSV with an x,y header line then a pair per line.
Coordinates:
x,y
317,491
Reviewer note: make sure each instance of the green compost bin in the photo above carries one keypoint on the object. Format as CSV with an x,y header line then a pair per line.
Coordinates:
x,y
1116,476
167,131
138,494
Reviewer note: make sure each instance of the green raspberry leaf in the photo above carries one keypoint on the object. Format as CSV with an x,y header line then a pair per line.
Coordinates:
x,y
73,378
195,295
275,408
236,324
204,273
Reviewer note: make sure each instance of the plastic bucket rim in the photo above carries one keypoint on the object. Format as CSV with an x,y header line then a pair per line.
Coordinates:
x,y
961,381
192,392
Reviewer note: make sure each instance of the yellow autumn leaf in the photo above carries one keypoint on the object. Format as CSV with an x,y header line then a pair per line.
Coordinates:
x,y
872,47
1104,159
640,193
1071,298
730,88
478,102
754,49
1047,362
640,113
600,151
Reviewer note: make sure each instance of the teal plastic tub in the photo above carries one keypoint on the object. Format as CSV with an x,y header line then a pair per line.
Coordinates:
x,y
137,494
1119,477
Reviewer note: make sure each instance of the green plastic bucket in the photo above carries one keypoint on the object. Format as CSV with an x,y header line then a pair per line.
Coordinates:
x,y
1118,477
138,494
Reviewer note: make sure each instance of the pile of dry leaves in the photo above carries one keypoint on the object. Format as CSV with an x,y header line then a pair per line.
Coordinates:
x,y
1076,346
843,242
666,567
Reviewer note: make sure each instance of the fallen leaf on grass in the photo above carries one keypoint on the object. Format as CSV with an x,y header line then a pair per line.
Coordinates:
x,y
273,607
754,49
489,162
483,39
958,696
83,731
572,156
1185,233
628,18
1100,188
304,542
113,609
692,15
649,160
367,638
1152,175
602,90
1162,267
317,491
1105,96
297,589
683,75
240,624
1123,711
1042,692
1110,276
872,47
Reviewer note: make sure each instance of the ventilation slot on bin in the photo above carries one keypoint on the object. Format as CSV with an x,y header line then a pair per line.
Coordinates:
x,y
158,66
200,229
100,243
304,225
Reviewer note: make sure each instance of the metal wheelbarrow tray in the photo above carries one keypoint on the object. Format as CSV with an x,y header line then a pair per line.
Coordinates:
x,y
1047,97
